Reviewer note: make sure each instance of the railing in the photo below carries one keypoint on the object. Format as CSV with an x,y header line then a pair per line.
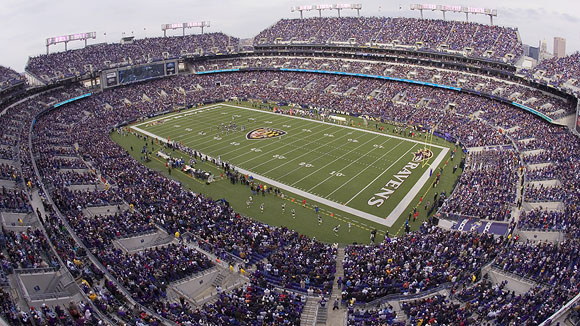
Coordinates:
x,y
50,296
16,210
229,256
36,270
135,235
497,268
79,242
391,297
528,229
212,294
561,311
399,297
196,275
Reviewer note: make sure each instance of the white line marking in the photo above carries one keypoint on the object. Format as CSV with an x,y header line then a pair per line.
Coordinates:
x,y
363,170
398,210
309,152
280,147
337,125
391,218
299,192
164,116
334,161
380,175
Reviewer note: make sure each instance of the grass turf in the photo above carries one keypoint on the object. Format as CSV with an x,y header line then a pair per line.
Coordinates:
x,y
336,163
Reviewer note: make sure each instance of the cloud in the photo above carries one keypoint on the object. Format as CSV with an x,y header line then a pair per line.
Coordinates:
x,y
28,23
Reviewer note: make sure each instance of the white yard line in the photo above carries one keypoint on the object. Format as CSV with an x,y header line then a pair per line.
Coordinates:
x,y
380,175
396,213
167,129
162,117
304,154
391,218
298,139
296,191
323,201
333,124
363,170
226,137
334,161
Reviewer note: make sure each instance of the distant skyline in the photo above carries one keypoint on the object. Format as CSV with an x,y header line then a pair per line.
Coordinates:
x,y
26,24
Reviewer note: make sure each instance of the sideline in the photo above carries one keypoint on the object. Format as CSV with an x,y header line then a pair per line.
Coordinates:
x,y
388,221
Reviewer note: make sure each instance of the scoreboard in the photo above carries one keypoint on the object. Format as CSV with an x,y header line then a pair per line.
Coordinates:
x,y
133,74
143,72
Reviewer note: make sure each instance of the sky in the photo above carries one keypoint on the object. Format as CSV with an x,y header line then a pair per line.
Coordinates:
x,y
27,24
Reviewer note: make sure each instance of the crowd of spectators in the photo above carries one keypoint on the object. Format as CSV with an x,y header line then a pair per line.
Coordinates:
x,y
27,249
99,231
303,264
9,172
30,248
78,199
251,304
552,106
548,263
478,40
559,220
72,314
101,56
14,200
107,298
558,71
373,317
436,112
488,186
415,262
437,310
555,151
9,78
146,274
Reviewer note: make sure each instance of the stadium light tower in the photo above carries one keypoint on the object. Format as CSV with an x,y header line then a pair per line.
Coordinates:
x,y
425,7
356,7
320,8
67,38
183,26
467,10
301,9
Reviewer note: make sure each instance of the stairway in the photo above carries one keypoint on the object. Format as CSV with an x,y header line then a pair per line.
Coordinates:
x,y
401,316
339,272
219,280
322,316
327,315
309,312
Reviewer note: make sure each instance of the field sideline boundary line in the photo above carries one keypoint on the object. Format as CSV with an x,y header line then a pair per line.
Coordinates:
x,y
338,125
324,201
336,160
169,115
406,201
391,218
363,170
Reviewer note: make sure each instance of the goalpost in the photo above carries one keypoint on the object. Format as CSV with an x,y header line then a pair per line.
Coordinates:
x,y
427,145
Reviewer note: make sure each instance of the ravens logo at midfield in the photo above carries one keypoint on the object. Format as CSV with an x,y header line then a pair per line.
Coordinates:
x,y
265,133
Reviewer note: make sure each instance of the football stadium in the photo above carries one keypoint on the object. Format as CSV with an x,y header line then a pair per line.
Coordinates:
x,y
333,169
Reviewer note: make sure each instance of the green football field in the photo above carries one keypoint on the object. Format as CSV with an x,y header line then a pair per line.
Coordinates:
x,y
359,171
